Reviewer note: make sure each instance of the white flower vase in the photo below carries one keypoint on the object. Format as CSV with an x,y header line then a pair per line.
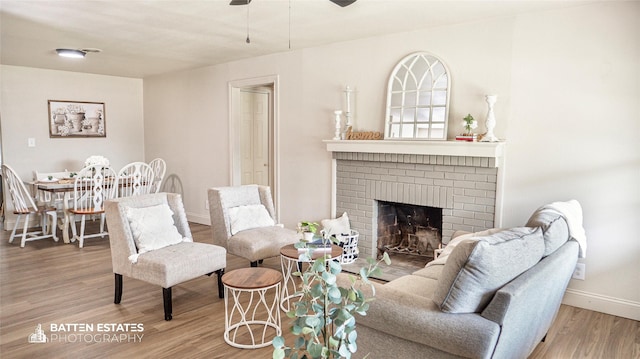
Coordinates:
x,y
491,120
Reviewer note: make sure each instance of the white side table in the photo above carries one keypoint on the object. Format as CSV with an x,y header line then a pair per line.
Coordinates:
x,y
251,309
289,257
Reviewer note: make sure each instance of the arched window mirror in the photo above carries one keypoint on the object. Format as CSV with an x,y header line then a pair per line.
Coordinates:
x,y
418,99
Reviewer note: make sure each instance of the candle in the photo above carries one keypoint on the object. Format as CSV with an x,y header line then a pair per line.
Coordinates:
x,y
348,91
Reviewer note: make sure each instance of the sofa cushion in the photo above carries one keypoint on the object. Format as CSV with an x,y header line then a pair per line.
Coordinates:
x,y
433,271
477,268
337,226
554,229
416,285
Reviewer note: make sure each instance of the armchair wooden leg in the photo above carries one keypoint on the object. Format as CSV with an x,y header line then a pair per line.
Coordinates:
x,y
220,273
118,285
166,295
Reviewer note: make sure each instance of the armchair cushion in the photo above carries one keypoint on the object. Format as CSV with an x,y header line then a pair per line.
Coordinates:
x,y
248,217
258,243
476,269
152,227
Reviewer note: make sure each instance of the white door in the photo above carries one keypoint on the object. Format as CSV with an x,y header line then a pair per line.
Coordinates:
x,y
255,140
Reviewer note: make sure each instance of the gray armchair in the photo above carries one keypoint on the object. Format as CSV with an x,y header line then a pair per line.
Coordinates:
x,y
255,244
167,264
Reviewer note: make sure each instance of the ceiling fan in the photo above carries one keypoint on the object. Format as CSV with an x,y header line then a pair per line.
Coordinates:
x,y
342,3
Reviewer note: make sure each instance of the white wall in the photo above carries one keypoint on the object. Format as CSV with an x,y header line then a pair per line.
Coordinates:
x,y
23,106
567,82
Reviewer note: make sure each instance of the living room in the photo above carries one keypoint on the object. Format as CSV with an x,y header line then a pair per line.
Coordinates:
x,y
567,86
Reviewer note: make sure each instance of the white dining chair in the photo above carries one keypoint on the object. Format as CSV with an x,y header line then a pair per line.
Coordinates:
x,y
159,167
93,186
135,178
24,205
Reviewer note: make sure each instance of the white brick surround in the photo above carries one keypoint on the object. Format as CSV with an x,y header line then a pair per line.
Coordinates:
x,y
465,187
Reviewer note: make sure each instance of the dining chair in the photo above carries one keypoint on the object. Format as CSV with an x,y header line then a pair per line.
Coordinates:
x,y
159,169
24,205
151,241
243,221
135,178
93,186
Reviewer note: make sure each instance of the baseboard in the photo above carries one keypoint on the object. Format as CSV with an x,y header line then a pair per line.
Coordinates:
x,y
602,303
198,218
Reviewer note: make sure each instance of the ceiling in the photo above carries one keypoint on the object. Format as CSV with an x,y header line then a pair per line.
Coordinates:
x,y
141,38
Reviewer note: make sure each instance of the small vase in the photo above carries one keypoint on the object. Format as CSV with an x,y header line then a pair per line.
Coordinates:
x,y
307,236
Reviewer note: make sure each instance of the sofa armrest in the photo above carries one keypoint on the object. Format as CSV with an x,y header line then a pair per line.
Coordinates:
x,y
418,319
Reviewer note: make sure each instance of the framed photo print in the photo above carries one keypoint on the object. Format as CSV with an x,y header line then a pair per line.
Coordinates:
x,y
76,119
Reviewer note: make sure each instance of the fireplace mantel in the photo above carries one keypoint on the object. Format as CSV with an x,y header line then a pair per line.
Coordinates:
x,y
436,148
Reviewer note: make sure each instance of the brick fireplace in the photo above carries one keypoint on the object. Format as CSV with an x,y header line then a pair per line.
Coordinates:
x,y
463,179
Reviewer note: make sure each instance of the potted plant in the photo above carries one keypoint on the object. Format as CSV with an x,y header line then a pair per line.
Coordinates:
x,y
323,318
308,230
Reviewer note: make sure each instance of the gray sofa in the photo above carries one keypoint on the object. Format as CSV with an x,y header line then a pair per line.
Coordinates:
x,y
492,294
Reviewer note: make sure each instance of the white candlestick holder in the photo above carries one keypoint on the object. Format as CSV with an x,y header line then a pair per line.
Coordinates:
x,y
491,120
337,113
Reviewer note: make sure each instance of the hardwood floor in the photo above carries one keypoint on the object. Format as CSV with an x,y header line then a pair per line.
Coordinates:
x,y
56,284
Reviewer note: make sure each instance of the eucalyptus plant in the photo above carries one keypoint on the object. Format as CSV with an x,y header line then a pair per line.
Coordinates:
x,y
324,320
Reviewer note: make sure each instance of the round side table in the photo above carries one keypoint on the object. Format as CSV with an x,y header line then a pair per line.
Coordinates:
x,y
289,260
250,310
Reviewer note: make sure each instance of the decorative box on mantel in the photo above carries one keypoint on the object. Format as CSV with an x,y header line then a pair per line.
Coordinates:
x,y
465,179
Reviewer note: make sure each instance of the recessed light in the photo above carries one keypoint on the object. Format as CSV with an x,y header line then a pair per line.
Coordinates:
x,y
72,53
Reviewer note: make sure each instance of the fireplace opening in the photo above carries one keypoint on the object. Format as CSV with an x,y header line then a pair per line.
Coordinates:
x,y
409,231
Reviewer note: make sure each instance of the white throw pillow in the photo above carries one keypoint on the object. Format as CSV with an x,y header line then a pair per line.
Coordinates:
x,y
248,217
153,227
337,226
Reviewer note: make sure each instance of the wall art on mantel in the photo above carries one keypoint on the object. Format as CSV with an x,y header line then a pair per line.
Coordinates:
x,y
76,119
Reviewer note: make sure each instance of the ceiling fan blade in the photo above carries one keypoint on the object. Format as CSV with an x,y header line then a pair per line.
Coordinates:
x,y
343,3
239,2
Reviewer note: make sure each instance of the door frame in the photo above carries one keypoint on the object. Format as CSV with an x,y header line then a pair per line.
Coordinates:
x,y
235,113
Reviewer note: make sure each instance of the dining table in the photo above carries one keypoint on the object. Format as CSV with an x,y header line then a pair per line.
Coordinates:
x,y
66,187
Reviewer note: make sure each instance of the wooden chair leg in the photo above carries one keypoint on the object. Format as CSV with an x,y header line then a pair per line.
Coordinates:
x,y
118,295
220,273
166,295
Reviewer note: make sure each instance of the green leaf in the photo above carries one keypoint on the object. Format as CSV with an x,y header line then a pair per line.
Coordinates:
x,y
329,278
335,267
386,259
278,353
278,342
334,293
363,272
344,352
315,350
353,336
312,321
